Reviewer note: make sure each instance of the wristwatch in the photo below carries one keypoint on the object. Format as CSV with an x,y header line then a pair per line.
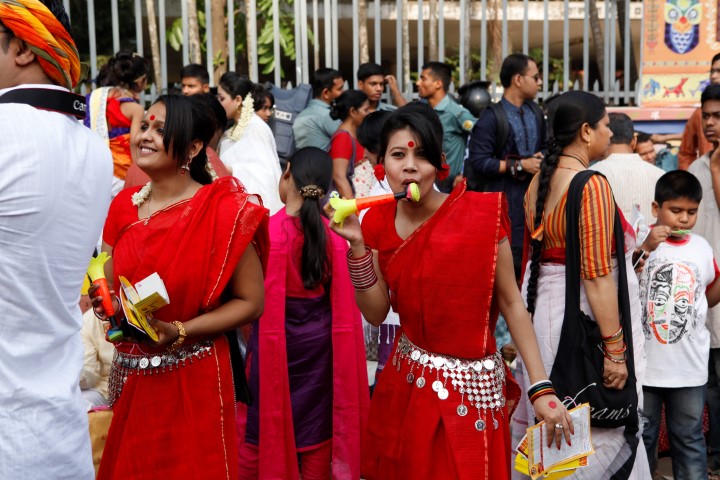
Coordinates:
x,y
518,165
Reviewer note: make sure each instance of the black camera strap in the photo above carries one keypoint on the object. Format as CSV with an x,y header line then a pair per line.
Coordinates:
x,y
59,101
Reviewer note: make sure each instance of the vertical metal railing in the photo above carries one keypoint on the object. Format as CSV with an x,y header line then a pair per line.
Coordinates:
x,y
566,48
356,43
421,35
209,54
399,42
441,28
546,42
231,34
276,37
526,24
558,23
586,46
483,40
463,13
162,28
92,39
115,25
185,33
377,23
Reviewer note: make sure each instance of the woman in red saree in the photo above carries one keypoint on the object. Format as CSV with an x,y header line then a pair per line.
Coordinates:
x,y
306,359
441,406
174,401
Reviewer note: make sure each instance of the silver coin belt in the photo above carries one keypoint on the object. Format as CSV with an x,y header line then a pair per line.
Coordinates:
x,y
479,382
125,364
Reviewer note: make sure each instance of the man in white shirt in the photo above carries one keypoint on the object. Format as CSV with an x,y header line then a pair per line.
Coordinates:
x,y
707,170
54,195
632,179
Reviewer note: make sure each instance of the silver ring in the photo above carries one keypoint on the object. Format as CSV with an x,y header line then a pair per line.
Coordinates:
x,y
559,426
97,315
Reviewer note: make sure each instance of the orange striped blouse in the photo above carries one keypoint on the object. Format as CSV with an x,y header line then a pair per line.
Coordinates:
x,y
597,220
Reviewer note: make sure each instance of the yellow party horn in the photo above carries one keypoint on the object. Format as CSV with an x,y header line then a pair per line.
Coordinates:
x,y
96,272
344,208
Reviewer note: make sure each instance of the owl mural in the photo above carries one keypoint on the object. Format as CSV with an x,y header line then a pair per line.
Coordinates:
x,y
682,18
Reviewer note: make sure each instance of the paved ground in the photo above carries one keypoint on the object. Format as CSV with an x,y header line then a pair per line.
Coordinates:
x,y
664,469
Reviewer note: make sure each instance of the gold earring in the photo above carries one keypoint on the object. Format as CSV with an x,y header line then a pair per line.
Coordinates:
x,y
588,143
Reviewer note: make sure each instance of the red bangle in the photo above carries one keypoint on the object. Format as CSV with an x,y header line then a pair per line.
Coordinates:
x,y
614,336
362,270
615,352
616,360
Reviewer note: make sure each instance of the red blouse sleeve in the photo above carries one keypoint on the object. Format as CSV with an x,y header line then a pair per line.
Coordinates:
x,y
121,213
341,146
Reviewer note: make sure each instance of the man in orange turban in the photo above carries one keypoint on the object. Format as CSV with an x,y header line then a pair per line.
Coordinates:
x,y
54,195
44,37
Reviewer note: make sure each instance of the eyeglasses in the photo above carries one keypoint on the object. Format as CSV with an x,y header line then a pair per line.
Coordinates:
x,y
536,76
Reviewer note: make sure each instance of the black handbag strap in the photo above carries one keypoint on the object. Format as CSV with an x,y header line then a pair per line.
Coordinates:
x,y
572,265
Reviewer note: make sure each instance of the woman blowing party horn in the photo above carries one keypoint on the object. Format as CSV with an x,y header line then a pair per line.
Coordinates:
x,y
441,406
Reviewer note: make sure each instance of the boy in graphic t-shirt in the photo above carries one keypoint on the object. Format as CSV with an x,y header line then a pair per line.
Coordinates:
x,y
677,285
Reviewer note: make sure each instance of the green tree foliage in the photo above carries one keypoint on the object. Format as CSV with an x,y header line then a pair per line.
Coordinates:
x,y
265,49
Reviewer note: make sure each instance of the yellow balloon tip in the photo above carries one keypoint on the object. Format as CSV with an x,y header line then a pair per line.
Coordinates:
x,y
414,192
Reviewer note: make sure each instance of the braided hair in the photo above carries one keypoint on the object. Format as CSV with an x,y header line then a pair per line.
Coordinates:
x,y
573,110
311,170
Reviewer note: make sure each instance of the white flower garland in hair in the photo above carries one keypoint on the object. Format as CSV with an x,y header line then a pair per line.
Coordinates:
x,y
142,195
248,110
211,171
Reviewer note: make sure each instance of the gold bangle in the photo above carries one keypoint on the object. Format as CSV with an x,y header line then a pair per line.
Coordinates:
x,y
181,335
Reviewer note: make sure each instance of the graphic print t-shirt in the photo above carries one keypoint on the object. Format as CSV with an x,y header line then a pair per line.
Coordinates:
x,y
672,295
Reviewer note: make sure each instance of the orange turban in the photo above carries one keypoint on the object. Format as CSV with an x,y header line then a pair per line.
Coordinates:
x,y
32,22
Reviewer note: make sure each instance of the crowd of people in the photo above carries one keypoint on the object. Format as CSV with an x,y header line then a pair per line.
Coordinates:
x,y
527,221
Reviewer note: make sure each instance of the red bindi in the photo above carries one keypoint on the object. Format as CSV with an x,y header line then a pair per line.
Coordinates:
x,y
411,144
152,117
552,404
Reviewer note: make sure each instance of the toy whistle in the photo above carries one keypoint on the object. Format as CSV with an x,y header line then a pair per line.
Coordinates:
x,y
345,208
96,272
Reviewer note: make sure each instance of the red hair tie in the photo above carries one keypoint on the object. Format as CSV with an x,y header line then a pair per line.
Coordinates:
x,y
443,172
380,172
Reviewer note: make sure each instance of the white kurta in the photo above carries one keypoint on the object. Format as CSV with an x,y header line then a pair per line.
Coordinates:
x,y
254,161
54,195
632,180
708,227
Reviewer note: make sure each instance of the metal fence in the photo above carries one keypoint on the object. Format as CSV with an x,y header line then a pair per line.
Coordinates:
x,y
557,31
